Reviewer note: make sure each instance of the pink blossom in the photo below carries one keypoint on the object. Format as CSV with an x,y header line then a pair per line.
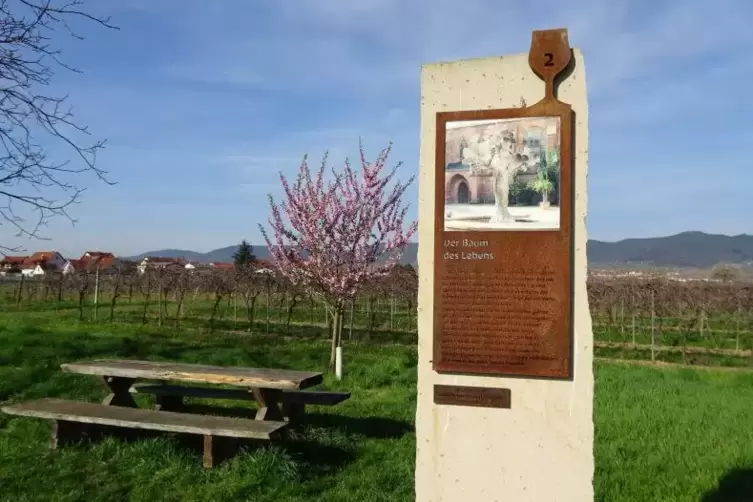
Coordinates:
x,y
332,237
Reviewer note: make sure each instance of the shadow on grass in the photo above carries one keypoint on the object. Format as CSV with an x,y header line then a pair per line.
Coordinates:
x,y
320,459
371,427
735,486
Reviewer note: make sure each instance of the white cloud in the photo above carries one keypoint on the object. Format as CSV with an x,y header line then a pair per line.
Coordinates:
x,y
374,48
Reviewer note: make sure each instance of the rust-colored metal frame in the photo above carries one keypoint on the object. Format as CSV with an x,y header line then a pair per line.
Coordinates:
x,y
529,249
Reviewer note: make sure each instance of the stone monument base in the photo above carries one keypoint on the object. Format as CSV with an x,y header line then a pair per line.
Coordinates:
x,y
540,448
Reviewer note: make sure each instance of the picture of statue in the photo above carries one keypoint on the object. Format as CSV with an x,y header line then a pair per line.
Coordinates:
x,y
496,152
502,174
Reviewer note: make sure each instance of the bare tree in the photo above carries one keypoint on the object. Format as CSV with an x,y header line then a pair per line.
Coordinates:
x,y
250,285
32,121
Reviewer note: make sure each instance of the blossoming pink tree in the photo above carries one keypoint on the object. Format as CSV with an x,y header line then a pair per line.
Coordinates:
x,y
332,236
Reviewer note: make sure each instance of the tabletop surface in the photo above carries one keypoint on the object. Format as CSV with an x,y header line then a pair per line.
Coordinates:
x,y
268,378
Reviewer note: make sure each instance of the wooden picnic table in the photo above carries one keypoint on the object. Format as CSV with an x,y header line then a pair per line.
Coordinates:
x,y
264,384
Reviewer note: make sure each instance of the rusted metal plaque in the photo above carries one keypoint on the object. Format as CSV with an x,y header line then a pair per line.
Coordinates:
x,y
484,397
503,233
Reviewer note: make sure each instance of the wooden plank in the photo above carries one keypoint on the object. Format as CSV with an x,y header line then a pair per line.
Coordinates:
x,y
267,378
136,418
322,398
192,391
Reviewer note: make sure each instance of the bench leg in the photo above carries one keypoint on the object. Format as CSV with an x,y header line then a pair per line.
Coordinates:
x,y
218,449
169,403
267,401
119,392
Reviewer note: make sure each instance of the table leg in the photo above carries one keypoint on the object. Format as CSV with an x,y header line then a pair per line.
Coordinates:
x,y
293,412
119,392
268,401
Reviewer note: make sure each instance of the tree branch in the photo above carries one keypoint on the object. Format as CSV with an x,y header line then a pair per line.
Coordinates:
x,y
30,118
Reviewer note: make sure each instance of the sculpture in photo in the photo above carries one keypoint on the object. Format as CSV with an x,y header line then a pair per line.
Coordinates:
x,y
502,174
497,152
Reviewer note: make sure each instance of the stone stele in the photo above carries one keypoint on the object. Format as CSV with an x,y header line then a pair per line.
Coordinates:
x,y
542,448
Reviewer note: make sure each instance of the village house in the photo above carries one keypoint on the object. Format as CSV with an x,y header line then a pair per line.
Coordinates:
x,y
264,267
11,264
31,268
38,268
92,261
38,264
73,265
219,265
50,260
157,262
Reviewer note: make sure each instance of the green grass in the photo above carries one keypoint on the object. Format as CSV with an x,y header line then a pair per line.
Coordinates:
x,y
661,434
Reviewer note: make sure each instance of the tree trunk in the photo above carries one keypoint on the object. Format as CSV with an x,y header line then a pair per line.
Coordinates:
x,y
115,294
160,292
235,309
60,288
337,324
250,308
81,297
293,301
392,312
147,297
352,315
311,310
179,308
281,307
96,294
20,289
268,293
217,300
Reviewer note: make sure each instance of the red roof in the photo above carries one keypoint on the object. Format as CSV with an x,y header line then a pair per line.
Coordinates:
x,y
13,260
222,265
43,255
101,260
30,263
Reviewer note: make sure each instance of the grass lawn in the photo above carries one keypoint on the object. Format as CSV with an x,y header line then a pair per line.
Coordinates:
x,y
661,434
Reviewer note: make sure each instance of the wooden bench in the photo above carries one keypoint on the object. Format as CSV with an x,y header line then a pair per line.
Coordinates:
x,y
264,384
75,420
170,397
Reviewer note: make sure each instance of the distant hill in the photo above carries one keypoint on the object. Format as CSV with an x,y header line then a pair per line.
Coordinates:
x,y
687,249
410,256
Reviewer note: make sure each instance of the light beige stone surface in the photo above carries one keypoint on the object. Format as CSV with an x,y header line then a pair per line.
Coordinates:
x,y
541,450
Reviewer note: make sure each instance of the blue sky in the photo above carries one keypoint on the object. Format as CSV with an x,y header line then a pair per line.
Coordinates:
x,y
202,103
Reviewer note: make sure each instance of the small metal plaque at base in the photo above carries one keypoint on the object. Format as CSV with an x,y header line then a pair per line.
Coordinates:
x,y
483,397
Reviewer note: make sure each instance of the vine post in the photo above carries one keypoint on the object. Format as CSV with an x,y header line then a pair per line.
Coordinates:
x,y
653,330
